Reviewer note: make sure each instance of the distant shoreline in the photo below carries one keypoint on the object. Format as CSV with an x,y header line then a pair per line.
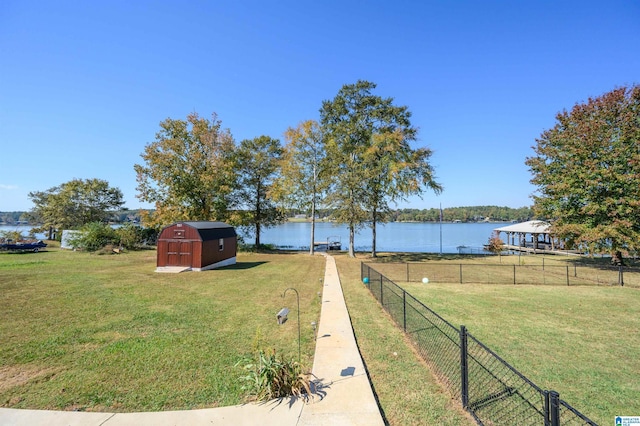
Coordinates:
x,y
300,220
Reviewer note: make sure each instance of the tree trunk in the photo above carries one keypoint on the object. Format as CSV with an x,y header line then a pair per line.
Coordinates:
x,y
313,227
373,233
257,236
352,233
258,218
616,258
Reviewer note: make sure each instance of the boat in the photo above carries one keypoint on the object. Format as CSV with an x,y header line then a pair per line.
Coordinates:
x,y
22,246
332,243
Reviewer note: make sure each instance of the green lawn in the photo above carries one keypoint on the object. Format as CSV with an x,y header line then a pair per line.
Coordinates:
x,y
105,332
511,269
407,392
581,341
90,332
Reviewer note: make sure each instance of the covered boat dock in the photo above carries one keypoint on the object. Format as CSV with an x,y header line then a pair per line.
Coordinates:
x,y
533,236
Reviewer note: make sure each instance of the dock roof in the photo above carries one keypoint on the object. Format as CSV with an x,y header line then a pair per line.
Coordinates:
x,y
530,227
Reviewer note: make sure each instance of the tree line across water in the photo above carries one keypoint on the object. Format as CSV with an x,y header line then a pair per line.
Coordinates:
x,y
464,214
449,214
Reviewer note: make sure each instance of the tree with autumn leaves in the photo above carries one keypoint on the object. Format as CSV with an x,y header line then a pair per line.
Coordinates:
x,y
304,177
257,167
357,161
73,204
188,171
587,172
367,139
195,171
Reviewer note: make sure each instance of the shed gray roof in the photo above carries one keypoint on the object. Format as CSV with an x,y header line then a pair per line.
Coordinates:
x,y
530,227
209,230
204,224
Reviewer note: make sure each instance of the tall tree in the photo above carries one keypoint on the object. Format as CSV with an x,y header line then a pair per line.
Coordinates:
x,y
346,129
74,203
257,163
587,170
395,171
188,172
367,139
302,183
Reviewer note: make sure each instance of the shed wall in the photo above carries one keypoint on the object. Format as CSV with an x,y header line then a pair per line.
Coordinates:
x,y
182,245
211,252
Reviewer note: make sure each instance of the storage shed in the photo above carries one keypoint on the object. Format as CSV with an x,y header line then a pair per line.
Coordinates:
x,y
197,245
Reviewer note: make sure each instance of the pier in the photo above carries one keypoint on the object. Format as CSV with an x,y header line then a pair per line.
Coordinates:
x,y
545,249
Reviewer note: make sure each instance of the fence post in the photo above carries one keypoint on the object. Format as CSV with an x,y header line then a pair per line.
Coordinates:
x,y
461,273
567,275
547,419
408,272
404,310
514,274
464,368
381,294
620,276
552,408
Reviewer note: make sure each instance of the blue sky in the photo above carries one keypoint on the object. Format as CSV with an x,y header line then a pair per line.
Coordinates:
x,y
85,84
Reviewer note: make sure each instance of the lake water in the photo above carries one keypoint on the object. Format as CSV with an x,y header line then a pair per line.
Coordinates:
x,y
22,228
395,236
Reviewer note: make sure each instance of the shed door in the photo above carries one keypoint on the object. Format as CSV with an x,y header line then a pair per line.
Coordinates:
x,y
179,253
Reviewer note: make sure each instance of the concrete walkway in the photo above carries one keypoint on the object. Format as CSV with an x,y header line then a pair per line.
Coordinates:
x,y
343,394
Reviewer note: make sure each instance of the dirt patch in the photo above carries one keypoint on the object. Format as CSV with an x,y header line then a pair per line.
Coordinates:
x,y
17,375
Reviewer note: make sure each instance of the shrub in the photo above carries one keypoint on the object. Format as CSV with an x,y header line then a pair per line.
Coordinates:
x,y
129,236
495,245
269,377
11,235
94,236
252,247
148,236
97,236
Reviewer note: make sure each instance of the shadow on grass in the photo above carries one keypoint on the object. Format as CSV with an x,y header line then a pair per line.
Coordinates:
x,y
277,251
244,265
603,261
23,251
421,257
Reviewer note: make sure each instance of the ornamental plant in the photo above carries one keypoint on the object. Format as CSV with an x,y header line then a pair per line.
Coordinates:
x,y
269,377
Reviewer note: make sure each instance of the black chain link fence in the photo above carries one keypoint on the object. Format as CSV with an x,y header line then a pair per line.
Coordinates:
x,y
488,387
465,273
